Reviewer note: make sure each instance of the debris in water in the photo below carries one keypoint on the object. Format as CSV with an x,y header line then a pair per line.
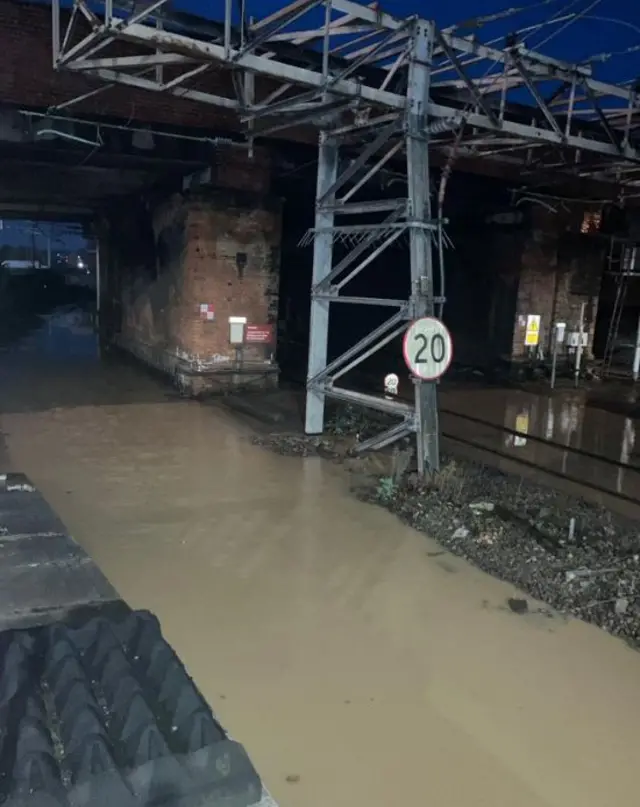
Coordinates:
x,y
518,605
482,507
294,445
575,573
293,778
622,604
486,538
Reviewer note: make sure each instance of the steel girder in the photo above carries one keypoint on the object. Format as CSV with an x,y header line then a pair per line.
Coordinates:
x,y
513,101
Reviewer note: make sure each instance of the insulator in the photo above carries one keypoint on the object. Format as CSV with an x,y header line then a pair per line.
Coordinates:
x,y
443,125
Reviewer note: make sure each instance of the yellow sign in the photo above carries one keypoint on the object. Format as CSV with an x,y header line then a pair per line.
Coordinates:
x,y
532,333
522,427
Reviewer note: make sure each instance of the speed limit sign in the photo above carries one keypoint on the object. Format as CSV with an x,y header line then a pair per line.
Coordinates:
x,y
427,348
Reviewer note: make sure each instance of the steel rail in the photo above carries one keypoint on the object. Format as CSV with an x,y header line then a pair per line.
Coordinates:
x,y
543,469
537,439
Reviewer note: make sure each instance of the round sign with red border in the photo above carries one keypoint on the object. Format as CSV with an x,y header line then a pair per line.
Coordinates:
x,y
427,348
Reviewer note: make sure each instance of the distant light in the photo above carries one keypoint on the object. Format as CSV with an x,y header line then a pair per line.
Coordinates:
x,y
591,222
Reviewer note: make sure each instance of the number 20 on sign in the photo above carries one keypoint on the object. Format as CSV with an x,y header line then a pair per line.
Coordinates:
x,y
427,348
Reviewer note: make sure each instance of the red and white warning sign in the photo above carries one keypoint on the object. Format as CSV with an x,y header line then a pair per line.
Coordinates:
x,y
207,312
259,334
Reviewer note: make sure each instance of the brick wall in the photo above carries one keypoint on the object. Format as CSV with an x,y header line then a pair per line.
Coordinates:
x,y
215,248
536,287
231,263
581,262
151,291
559,271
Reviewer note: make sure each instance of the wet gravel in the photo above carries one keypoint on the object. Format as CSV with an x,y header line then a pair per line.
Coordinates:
x,y
294,445
579,558
575,556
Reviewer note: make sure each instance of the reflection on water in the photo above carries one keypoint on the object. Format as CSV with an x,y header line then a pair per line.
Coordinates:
x,y
564,420
66,333
331,638
47,319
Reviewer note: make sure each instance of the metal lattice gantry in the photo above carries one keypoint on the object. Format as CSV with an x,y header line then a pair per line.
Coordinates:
x,y
383,92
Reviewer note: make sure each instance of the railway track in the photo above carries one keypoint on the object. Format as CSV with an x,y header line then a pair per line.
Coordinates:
x,y
545,468
550,445
569,455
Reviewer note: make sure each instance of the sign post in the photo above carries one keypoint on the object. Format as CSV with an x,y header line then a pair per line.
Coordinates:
x,y
636,355
558,338
428,352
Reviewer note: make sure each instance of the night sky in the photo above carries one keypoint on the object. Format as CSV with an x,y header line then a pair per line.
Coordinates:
x,y
63,236
608,26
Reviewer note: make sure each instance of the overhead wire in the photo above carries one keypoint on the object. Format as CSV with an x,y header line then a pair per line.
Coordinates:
x,y
469,106
563,14
605,55
563,18
579,15
465,111
480,21
448,167
453,152
557,198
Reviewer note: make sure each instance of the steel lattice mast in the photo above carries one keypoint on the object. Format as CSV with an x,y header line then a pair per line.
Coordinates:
x,y
395,90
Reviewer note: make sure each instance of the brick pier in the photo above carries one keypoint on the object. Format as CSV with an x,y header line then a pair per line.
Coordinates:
x,y
179,267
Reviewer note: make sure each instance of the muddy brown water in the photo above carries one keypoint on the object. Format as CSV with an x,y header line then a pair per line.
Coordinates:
x,y
359,667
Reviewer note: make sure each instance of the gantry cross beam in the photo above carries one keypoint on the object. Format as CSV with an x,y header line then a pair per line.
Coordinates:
x,y
394,88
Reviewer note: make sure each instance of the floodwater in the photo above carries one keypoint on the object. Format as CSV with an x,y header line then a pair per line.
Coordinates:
x,y
347,654
564,421
550,428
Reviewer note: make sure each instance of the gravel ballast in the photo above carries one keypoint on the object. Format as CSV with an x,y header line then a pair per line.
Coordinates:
x,y
578,557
